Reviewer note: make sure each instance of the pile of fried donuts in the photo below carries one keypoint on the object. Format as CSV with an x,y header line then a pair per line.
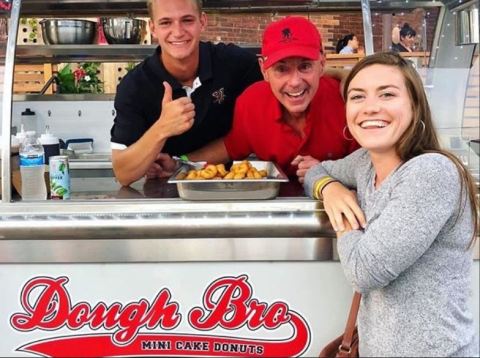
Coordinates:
x,y
241,170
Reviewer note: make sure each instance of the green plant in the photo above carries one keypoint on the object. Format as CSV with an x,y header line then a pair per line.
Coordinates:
x,y
33,24
82,80
66,80
130,66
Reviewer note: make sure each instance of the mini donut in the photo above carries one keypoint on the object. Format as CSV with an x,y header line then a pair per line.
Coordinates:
x,y
242,169
234,167
209,172
247,163
263,173
192,174
229,176
221,170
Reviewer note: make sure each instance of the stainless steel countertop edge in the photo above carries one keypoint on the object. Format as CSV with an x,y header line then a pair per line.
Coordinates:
x,y
166,230
156,205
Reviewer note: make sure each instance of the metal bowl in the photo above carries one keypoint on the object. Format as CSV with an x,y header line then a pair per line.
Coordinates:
x,y
123,30
68,31
475,145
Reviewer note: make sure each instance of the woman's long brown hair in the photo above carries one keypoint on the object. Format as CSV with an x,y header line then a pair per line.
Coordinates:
x,y
420,137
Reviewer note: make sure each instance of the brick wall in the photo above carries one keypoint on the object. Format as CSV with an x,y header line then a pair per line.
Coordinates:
x,y
247,28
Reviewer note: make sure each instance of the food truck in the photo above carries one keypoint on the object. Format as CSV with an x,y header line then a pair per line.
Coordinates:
x,y
156,269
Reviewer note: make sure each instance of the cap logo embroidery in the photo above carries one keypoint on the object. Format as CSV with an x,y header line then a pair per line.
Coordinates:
x,y
219,96
286,35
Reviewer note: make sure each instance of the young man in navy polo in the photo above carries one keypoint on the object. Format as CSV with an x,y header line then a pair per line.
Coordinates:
x,y
296,117
178,99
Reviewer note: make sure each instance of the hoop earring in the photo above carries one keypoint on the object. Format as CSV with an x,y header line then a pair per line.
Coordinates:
x,y
345,134
423,126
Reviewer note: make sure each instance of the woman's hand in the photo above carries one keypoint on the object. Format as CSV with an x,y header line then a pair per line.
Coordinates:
x,y
340,202
303,163
347,226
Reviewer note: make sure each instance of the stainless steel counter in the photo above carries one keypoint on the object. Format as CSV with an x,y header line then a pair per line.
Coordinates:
x,y
105,222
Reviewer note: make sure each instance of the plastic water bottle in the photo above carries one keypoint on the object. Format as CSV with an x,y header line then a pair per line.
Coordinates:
x,y
32,169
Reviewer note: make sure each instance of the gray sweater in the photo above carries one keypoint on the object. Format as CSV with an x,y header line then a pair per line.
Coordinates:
x,y
411,262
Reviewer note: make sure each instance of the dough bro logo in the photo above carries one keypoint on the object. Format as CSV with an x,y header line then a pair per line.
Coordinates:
x,y
132,329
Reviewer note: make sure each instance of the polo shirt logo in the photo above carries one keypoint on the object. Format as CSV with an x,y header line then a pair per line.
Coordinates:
x,y
219,96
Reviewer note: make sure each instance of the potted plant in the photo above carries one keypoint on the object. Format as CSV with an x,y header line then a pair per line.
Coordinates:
x,y
84,79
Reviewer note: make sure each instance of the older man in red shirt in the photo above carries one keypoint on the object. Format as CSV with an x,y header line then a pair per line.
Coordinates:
x,y
296,116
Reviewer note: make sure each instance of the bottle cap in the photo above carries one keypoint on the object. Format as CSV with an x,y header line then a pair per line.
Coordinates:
x,y
22,134
28,112
48,138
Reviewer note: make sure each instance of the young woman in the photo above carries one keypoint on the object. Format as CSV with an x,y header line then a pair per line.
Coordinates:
x,y
405,245
347,45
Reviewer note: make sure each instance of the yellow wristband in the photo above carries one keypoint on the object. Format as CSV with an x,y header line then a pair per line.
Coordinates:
x,y
317,188
320,195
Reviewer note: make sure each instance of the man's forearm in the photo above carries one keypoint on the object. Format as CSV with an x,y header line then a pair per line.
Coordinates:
x,y
214,152
132,163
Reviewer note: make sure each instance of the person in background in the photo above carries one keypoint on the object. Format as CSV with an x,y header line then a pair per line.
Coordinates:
x,y
405,244
296,116
181,97
406,39
347,45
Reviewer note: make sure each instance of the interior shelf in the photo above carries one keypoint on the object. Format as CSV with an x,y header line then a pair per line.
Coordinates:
x,y
34,54
38,54
62,97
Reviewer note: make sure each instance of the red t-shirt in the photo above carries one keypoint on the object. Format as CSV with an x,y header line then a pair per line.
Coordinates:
x,y
258,128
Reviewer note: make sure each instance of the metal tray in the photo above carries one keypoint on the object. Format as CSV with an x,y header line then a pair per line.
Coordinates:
x,y
243,189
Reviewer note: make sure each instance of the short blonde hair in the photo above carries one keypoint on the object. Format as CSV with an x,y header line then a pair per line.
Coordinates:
x,y
150,6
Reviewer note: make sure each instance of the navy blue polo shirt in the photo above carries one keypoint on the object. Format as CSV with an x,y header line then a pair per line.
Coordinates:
x,y
224,71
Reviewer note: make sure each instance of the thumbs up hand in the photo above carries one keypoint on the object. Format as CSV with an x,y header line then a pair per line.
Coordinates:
x,y
177,115
167,95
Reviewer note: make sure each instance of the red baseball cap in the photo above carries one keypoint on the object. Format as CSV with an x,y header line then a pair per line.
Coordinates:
x,y
292,36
